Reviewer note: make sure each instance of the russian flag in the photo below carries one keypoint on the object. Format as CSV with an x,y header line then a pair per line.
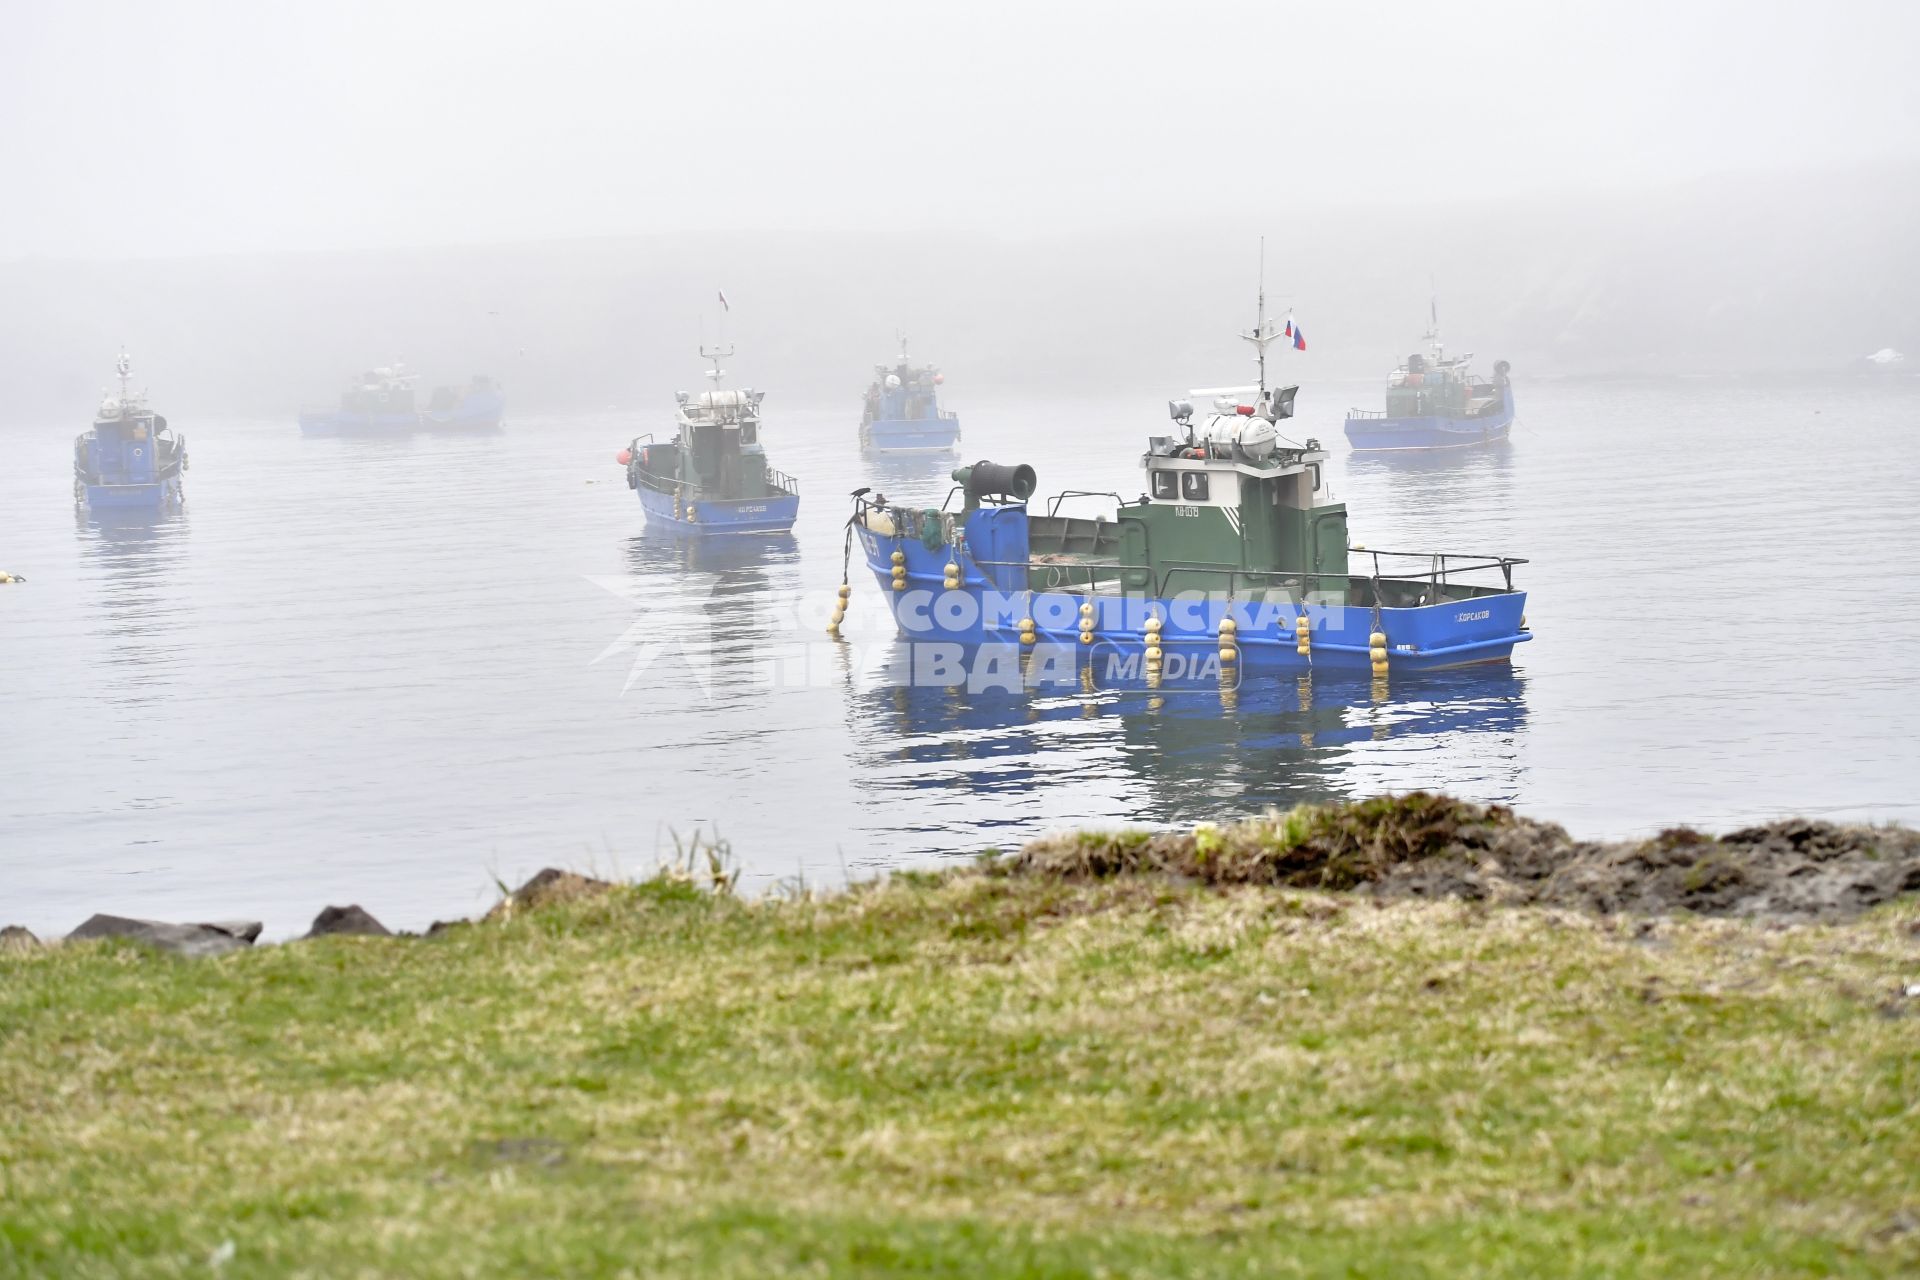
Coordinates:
x,y
1294,332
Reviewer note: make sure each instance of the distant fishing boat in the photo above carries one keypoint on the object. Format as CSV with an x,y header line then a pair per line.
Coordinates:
x,y
1235,559
384,401
1434,402
902,411
713,476
130,460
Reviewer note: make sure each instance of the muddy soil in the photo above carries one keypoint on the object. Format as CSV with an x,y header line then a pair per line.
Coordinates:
x,y
1428,846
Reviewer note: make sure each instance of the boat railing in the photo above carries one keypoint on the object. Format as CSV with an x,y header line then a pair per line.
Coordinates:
x,y
1366,413
1053,507
783,482
1095,575
1440,565
658,481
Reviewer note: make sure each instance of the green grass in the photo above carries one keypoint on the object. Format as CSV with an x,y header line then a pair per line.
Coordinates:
x,y
975,1075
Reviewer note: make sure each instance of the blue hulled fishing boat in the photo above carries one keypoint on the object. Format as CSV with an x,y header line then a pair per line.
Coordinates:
x,y
385,401
1235,559
902,411
1434,402
130,460
713,476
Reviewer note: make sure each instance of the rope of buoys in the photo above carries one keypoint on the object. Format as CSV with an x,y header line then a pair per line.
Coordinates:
x,y
840,604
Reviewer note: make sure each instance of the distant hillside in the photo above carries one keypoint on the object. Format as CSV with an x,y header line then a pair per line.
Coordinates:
x,y
1724,276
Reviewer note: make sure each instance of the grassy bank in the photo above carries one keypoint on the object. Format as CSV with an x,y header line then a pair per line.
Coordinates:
x,y
975,1074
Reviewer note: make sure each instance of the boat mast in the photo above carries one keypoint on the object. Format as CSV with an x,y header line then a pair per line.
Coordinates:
x,y
124,367
721,348
716,354
1433,321
1262,333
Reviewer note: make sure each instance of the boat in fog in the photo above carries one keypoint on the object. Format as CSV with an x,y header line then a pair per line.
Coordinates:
x,y
385,401
902,414
1235,559
713,477
1437,402
130,459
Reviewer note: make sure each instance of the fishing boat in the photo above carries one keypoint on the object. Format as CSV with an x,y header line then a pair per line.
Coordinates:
x,y
1235,559
130,460
1437,402
713,476
902,411
385,401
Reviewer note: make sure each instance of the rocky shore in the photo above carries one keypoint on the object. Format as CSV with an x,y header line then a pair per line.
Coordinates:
x,y
1389,848
217,937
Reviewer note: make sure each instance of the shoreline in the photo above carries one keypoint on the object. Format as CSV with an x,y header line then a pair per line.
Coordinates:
x,y
1417,845
1383,1038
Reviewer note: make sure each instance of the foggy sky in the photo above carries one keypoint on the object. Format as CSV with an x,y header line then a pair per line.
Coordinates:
x,y
191,128
260,200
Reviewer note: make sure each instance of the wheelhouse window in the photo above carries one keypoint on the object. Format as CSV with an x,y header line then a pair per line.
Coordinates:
x,y
749,433
1193,486
1166,484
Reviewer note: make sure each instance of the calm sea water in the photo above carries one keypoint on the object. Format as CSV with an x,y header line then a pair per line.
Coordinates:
x,y
390,672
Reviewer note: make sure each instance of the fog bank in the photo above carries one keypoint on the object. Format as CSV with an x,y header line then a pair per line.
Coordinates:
x,y
1735,275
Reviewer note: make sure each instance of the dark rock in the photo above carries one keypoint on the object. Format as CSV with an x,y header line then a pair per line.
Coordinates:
x,y
548,885
439,927
178,939
15,938
347,920
247,931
